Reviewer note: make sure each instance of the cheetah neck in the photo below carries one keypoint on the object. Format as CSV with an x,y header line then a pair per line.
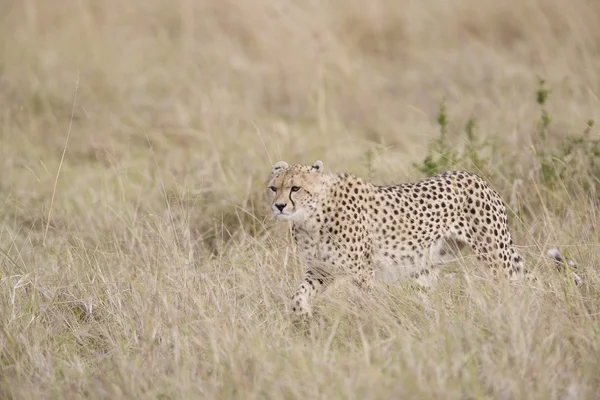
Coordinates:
x,y
332,185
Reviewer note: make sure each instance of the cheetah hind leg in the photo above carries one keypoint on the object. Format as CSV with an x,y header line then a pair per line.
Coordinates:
x,y
521,272
426,277
447,249
518,266
514,268
441,252
503,259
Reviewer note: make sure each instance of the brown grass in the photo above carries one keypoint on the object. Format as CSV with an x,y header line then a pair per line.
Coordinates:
x,y
162,277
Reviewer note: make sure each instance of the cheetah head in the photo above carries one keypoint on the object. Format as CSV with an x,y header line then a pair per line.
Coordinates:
x,y
293,190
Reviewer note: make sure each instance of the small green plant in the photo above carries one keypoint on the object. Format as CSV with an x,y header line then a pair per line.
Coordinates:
x,y
549,173
475,146
441,156
576,155
579,155
371,154
542,96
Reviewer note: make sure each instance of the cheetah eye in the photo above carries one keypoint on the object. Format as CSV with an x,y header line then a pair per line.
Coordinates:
x,y
273,189
295,188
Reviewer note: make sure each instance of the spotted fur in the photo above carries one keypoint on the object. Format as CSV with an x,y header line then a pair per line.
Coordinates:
x,y
343,224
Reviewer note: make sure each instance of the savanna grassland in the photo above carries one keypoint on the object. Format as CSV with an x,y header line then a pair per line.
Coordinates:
x,y
137,257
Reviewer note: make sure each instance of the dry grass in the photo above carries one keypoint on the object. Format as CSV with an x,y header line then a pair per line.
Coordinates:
x,y
162,277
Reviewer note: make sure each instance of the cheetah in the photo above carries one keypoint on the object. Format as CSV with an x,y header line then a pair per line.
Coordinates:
x,y
344,225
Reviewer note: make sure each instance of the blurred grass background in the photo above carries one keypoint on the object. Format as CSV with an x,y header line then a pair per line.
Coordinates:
x,y
160,275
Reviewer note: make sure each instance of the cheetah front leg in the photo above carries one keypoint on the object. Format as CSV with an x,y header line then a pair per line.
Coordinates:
x,y
313,283
359,263
363,279
316,280
441,252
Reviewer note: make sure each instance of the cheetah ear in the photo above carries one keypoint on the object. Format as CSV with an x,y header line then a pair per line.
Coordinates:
x,y
318,166
279,166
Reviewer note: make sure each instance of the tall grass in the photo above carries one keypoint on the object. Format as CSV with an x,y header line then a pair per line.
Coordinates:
x,y
161,275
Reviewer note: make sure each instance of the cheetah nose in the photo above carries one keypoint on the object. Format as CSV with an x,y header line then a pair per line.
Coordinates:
x,y
280,206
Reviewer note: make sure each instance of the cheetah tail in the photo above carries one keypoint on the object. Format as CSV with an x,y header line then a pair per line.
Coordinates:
x,y
561,262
